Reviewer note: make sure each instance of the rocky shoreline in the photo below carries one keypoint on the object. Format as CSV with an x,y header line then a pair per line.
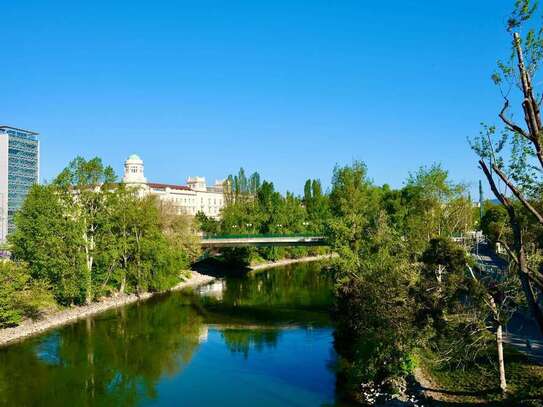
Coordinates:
x,y
286,262
66,316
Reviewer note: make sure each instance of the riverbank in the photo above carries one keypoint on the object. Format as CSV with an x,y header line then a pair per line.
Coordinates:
x,y
478,383
286,262
66,316
55,319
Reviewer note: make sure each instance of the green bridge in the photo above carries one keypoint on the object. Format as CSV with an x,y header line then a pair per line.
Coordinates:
x,y
263,240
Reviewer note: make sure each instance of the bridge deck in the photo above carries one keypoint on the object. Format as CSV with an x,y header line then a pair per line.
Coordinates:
x,y
264,241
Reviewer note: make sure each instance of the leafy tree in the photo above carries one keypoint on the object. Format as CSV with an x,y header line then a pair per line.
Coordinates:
x,y
494,222
207,224
49,241
20,296
82,184
316,205
86,236
375,310
436,207
180,230
354,203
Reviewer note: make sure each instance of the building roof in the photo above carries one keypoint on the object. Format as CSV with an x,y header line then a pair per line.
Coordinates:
x,y
164,186
134,158
19,129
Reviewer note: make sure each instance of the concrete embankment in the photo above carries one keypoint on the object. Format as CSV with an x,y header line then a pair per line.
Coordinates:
x,y
286,262
65,316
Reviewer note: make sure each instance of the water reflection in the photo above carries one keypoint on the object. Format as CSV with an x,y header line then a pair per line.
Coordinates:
x,y
114,359
133,355
243,340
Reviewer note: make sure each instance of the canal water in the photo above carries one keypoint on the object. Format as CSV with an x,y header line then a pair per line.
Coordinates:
x,y
264,339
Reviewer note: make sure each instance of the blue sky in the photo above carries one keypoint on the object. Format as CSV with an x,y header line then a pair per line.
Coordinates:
x,y
286,87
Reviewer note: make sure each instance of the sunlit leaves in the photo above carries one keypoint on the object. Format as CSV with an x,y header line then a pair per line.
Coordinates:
x,y
523,11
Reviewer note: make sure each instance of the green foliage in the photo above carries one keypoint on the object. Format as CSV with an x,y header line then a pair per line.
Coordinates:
x,y
436,207
207,224
49,241
452,307
254,207
20,296
86,236
388,302
375,310
494,223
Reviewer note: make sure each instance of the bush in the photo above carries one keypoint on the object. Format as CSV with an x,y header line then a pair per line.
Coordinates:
x,y
20,296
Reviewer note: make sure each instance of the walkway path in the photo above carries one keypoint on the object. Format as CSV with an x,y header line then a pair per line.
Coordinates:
x,y
521,332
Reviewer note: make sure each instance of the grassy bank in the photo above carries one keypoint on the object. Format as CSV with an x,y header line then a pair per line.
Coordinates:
x,y
478,383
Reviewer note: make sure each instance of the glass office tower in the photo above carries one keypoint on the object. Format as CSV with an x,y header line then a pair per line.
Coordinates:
x,y
19,170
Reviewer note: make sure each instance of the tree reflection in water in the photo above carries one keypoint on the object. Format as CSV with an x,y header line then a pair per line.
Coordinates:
x,y
121,357
115,359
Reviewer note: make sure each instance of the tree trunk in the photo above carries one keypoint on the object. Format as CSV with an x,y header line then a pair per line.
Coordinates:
x,y
523,274
87,278
501,363
519,248
123,284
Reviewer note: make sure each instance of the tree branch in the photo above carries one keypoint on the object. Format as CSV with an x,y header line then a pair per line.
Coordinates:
x,y
534,276
510,125
517,193
501,197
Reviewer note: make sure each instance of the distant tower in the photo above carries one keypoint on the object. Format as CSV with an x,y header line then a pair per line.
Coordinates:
x,y
19,170
133,170
481,210
197,183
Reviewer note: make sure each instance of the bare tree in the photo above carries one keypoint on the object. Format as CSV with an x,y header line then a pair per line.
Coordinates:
x,y
518,184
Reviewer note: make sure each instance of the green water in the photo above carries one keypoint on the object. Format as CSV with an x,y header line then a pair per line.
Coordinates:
x,y
259,340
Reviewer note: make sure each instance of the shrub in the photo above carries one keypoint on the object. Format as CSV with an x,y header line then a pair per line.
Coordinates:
x,y
20,296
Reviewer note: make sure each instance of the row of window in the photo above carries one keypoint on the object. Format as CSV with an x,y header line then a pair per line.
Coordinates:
x,y
21,134
191,200
192,210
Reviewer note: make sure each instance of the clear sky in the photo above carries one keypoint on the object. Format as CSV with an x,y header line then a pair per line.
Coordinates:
x,y
285,87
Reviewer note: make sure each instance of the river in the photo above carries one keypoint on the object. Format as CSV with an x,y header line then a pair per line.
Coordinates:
x,y
264,339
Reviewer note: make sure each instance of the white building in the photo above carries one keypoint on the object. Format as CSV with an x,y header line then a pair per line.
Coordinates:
x,y
19,170
192,198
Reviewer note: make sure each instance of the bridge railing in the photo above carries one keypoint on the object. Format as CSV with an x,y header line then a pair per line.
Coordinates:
x,y
259,235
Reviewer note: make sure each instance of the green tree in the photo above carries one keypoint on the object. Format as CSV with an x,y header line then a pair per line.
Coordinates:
x,y
83,184
49,241
494,222
375,310
20,296
354,203
436,207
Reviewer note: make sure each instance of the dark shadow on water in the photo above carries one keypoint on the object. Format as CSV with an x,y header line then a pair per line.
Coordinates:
x,y
214,267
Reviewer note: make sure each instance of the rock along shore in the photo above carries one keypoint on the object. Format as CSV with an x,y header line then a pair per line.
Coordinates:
x,y
286,262
66,316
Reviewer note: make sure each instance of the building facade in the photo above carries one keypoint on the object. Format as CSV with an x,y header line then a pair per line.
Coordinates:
x,y
190,199
19,170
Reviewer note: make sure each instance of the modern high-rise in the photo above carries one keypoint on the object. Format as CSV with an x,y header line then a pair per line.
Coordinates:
x,y
19,170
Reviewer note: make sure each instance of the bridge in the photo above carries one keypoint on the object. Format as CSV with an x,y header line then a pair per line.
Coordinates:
x,y
262,241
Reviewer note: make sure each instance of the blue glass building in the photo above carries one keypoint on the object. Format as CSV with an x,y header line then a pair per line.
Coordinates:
x,y
19,170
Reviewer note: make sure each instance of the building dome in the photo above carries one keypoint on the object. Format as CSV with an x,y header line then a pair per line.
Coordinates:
x,y
134,158
133,170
